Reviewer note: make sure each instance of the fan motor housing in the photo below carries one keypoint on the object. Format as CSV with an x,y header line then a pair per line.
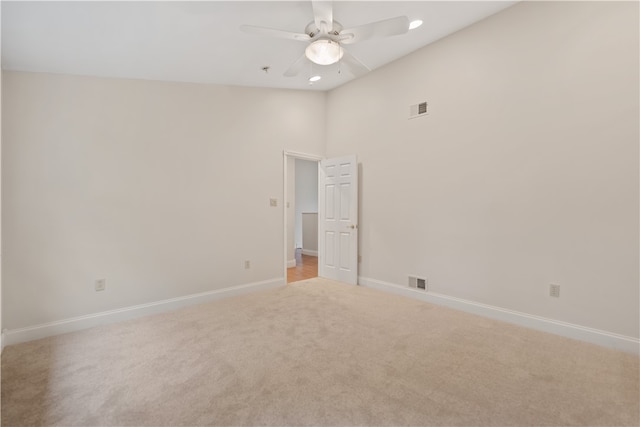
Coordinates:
x,y
313,31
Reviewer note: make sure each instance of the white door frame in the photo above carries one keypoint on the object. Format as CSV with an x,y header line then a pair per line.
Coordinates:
x,y
285,157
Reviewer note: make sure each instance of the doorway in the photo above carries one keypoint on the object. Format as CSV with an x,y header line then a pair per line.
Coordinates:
x,y
301,216
337,219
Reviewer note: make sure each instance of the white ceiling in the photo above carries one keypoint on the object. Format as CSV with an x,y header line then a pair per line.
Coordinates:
x,y
201,41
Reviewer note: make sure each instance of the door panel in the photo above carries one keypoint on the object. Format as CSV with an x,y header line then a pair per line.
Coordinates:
x,y
345,192
329,246
330,201
345,240
338,254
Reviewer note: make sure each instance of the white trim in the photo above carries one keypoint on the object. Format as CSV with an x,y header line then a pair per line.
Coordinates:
x,y
309,252
569,330
285,200
291,263
106,317
303,156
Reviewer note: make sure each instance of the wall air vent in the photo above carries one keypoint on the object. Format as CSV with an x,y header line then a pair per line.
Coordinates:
x,y
418,110
418,283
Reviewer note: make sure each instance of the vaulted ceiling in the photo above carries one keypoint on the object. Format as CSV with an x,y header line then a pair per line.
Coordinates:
x,y
201,41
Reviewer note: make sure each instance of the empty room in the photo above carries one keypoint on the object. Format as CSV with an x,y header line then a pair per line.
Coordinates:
x,y
470,208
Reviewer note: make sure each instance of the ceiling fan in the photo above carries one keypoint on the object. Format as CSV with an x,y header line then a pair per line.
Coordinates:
x,y
326,37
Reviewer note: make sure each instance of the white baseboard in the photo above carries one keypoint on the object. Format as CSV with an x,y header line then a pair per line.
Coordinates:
x,y
309,252
569,330
112,316
291,263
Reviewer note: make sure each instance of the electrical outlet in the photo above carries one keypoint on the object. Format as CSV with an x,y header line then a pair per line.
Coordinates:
x,y
247,264
554,291
100,285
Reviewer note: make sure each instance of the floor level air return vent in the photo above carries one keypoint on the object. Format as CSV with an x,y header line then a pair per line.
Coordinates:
x,y
418,283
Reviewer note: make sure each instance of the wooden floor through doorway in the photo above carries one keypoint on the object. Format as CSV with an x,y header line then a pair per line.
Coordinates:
x,y
306,268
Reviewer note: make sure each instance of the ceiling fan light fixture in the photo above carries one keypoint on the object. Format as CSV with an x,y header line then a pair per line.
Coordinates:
x,y
324,52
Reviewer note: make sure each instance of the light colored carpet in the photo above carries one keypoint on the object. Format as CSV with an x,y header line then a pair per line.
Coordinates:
x,y
317,353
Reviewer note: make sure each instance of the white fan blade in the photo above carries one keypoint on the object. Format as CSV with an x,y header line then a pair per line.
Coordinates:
x,y
356,67
271,32
323,15
385,28
296,67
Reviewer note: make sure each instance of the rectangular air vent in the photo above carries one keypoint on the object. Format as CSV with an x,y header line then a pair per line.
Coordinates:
x,y
418,283
418,110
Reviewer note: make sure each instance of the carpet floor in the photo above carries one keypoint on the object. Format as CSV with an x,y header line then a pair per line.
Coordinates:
x,y
317,353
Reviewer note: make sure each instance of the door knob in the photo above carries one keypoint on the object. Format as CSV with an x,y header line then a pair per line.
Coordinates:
x,y
352,226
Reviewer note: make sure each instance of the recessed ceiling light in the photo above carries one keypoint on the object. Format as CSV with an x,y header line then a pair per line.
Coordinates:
x,y
415,24
315,78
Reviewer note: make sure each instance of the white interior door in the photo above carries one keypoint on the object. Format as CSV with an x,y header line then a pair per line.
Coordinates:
x,y
338,219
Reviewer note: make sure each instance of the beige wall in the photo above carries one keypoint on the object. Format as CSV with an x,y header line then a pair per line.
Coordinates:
x,y
525,172
162,189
